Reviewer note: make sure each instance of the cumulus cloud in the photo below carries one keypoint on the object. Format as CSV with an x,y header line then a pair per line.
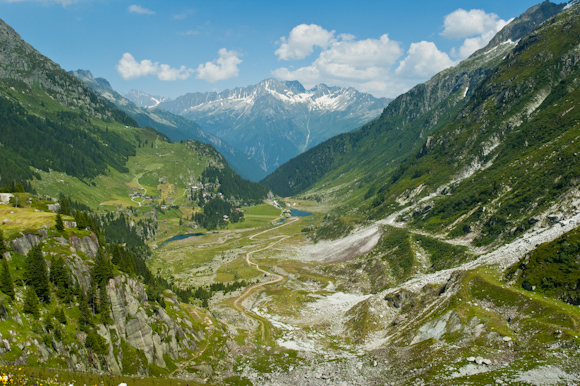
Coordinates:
x,y
475,26
460,24
129,68
302,40
140,10
423,60
364,64
225,67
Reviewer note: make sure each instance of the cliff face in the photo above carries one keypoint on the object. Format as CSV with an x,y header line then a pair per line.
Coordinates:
x,y
142,333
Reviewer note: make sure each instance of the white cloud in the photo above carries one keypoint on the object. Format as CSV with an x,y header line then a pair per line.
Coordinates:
x,y
302,40
423,61
460,24
140,10
475,26
129,68
364,64
184,14
225,67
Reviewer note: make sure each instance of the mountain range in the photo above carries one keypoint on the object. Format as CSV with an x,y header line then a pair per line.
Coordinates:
x,y
272,121
176,128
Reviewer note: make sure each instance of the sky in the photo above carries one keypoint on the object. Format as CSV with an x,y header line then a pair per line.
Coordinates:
x,y
172,47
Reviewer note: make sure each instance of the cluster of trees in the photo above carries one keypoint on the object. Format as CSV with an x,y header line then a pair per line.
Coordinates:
x,y
16,187
212,216
205,293
553,268
122,229
232,185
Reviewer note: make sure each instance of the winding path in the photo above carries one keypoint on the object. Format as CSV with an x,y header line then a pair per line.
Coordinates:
x,y
277,278
142,187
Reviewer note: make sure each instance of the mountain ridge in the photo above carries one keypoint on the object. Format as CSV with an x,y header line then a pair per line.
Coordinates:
x,y
176,127
272,120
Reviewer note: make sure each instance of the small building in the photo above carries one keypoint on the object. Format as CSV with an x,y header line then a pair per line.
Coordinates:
x,y
226,217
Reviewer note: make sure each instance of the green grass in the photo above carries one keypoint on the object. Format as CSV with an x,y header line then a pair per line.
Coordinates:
x,y
160,175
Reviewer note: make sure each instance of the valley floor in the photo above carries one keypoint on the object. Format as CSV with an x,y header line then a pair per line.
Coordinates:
x,y
314,314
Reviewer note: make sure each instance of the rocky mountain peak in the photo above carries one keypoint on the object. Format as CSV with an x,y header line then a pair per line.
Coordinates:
x,y
524,24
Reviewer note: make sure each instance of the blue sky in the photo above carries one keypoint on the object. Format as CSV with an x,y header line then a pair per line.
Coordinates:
x,y
173,47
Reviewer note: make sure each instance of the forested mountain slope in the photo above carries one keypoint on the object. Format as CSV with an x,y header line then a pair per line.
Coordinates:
x,y
351,160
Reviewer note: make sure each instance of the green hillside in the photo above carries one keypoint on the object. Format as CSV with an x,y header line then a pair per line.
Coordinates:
x,y
353,165
438,245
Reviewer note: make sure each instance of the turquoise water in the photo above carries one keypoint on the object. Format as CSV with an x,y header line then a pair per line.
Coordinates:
x,y
182,237
300,213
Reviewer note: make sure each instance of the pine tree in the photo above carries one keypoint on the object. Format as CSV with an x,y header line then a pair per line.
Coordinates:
x,y
102,270
60,277
85,317
60,316
2,245
59,224
36,273
92,297
65,207
105,306
6,283
31,302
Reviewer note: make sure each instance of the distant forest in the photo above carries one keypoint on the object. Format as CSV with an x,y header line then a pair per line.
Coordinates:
x,y
232,185
69,143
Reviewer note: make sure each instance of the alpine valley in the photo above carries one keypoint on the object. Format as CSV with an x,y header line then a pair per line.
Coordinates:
x,y
272,121
429,240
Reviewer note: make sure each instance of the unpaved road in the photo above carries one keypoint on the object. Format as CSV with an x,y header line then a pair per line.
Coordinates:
x,y
277,278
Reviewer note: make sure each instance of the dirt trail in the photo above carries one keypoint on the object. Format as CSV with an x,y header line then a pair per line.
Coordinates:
x,y
277,278
186,364
142,187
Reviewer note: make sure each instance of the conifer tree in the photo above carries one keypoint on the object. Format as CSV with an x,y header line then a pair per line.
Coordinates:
x,y
85,317
2,245
36,273
6,283
105,306
102,270
60,277
59,224
65,207
92,297
31,302
60,316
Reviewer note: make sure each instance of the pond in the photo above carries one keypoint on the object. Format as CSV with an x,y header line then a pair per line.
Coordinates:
x,y
182,237
300,213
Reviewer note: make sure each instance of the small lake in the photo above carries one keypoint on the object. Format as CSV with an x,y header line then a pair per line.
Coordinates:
x,y
182,237
300,213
